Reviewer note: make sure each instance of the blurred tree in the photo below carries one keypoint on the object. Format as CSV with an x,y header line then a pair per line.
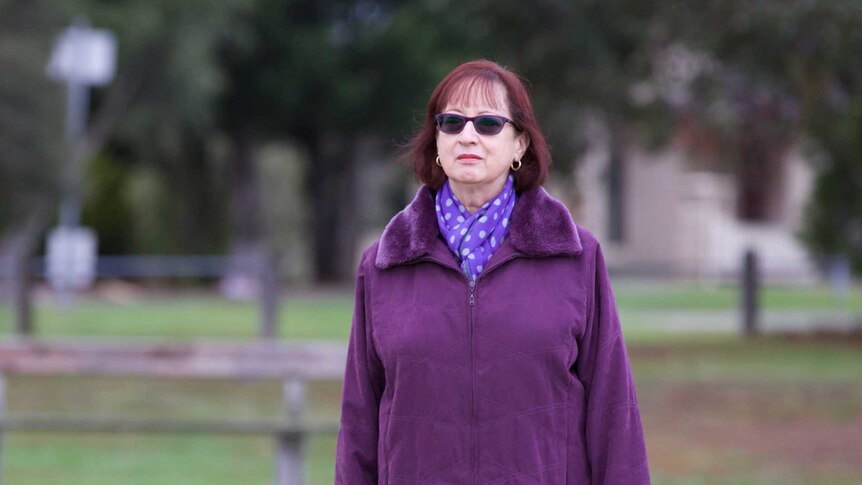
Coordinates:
x,y
783,73
108,208
328,76
743,82
31,145
581,59
202,85
157,118
31,120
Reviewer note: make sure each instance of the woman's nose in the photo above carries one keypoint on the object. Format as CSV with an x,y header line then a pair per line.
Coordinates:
x,y
468,134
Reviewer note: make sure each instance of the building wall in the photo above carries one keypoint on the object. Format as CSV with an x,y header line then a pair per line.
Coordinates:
x,y
681,221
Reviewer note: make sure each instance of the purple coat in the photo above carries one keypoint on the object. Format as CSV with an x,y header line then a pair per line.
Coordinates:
x,y
523,379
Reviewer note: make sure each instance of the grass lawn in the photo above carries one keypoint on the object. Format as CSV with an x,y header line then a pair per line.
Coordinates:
x,y
638,295
185,318
716,410
645,308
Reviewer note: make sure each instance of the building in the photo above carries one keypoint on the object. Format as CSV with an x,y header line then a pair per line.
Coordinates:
x,y
659,214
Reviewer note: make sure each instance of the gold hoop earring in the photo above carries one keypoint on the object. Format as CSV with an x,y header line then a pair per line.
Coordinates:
x,y
516,165
438,161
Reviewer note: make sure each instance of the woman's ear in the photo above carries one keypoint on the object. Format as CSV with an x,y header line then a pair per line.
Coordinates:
x,y
523,145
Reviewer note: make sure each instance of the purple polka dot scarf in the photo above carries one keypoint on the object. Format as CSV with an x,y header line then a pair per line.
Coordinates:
x,y
473,238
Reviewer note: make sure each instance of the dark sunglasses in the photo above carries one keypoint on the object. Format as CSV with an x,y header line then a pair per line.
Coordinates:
x,y
452,124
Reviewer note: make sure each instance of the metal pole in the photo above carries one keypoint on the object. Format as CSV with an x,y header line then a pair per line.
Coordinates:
x,y
77,100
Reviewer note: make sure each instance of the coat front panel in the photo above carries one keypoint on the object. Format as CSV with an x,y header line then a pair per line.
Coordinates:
x,y
422,338
478,393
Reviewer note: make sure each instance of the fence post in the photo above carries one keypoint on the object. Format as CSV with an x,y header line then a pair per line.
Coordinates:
x,y
290,467
750,289
20,293
268,277
3,418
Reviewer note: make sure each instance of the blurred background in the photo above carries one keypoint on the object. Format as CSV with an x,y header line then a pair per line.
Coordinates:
x,y
181,172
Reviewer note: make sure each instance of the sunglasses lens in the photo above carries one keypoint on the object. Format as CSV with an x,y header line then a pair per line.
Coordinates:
x,y
488,125
451,124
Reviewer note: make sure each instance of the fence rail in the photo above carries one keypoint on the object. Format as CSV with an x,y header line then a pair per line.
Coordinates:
x,y
257,275
292,363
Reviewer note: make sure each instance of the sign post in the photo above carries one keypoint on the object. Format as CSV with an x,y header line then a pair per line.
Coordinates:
x,y
82,57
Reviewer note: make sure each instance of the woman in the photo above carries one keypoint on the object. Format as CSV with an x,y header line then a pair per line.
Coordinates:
x,y
485,345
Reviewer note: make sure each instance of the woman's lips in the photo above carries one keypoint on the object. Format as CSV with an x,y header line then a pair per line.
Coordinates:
x,y
469,157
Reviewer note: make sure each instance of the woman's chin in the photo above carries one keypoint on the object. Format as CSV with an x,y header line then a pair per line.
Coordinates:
x,y
468,176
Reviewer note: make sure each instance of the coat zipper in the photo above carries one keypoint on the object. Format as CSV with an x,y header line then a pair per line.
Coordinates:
x,y
473,385
472,286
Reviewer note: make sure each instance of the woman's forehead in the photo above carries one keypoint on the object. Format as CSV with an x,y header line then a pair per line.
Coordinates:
x,y
479,94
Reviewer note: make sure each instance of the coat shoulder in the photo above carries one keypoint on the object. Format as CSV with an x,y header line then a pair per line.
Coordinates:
x,y
369,255
589,241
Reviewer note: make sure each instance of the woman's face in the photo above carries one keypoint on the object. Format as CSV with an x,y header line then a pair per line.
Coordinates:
x,y
480,161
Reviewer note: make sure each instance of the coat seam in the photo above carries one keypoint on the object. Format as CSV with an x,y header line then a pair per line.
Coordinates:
x,y
449,467
415,361
349,424
429,420
433,480
590,314
591,276
633,469
610,341
568,430
525,473
529,353
616,407
545,407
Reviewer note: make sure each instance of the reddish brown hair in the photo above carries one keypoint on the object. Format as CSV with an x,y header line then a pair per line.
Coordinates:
x,y
481,78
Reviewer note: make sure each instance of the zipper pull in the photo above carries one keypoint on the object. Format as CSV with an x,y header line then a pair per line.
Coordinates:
x,y
472,292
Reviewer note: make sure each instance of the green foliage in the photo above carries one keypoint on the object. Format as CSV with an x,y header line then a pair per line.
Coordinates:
x,y
107,205
165,91
325,74
580,59
807,53
166,60
31,118
833,216
303,68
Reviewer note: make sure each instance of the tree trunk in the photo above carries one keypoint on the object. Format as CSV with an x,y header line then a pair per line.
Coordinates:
x,y
762,146
331,185
247,244
18,249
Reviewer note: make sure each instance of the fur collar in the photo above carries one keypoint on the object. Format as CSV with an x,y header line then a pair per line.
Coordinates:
x,y
541,226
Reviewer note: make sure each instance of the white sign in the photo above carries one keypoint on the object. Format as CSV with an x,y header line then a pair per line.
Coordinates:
x,y
84,55
71,262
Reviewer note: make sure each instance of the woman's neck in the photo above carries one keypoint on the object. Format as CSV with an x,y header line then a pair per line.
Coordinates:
x,y
474,196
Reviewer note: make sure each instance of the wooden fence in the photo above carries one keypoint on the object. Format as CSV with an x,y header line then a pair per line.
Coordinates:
x,y
292,363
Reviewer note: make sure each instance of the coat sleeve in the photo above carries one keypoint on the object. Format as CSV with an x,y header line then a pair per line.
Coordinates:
x,y
614,434
356,451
